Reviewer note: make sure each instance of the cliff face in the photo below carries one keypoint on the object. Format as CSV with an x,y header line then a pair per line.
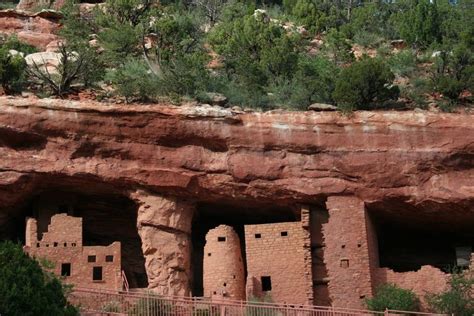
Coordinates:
x,y
36,29
169,160
214,154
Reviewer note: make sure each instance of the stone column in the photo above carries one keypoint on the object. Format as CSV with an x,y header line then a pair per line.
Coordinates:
x,y
164,226
347,253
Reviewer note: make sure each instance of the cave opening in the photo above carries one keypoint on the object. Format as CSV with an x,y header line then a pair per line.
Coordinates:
x,y
410,237
106,217
209,216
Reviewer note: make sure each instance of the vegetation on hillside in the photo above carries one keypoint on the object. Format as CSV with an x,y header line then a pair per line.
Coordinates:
x,y
289,54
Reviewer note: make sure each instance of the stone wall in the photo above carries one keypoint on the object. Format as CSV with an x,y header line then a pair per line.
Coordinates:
x,y
224,274
277,251
426,280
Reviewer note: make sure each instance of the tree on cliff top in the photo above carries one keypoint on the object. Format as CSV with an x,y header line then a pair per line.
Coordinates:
x,y
25,289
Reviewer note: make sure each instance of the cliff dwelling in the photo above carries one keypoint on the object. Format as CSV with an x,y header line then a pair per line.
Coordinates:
x,y
62,245
106,220
337,213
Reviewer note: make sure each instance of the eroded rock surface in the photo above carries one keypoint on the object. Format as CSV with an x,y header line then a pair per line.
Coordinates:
x,y
37,29
164,226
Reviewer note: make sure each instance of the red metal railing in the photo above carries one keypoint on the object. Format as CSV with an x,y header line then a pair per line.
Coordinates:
x,y
102,302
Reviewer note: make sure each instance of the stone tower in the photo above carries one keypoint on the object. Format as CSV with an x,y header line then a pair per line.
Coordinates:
x,y
224,274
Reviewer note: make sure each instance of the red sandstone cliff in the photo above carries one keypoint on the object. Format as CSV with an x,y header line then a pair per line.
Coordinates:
x,y
168,158
37,29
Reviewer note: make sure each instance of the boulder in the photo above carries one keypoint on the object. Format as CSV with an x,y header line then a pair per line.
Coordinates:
x,y
45,61
216,98
322,107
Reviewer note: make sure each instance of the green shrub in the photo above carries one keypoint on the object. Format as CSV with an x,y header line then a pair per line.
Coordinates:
x,y
14,43
454,72
25,289
403,63
367,39
339,49
254,50
363,83
313,81
390,296
12,70
420,23
133,80
458,299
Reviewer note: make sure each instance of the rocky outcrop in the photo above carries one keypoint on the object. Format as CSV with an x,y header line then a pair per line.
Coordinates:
x,y
37,29
168,159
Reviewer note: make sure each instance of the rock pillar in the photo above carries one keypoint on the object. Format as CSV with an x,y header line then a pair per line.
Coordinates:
x,y
224,274
347,254
164,226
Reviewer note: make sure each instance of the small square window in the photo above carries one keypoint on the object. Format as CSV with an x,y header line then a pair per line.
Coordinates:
x,y
257,236
344,263
221,239
109,258
65,269
73,244
91,258
97,274
266,283
284,234
208,254
38,244
55,244
65,244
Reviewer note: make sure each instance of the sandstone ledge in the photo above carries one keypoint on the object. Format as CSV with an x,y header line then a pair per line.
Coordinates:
x,y
213,154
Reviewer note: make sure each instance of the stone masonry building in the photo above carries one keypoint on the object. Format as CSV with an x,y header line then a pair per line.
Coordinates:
x,y
275,262
97,267
223,265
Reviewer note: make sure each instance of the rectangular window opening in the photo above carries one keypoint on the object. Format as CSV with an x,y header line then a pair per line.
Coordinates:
x,y
284,234
257,236
65,269
266,283
220,239
109,258
91,258
97,274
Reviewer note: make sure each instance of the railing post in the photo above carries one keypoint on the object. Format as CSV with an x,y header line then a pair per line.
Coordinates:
x,y
385,312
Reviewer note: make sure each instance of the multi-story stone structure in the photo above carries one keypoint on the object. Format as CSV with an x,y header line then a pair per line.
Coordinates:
x,y
62,244
224,274
276,262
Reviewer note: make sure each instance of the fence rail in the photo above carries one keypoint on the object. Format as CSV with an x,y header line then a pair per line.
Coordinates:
x,y
100,302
